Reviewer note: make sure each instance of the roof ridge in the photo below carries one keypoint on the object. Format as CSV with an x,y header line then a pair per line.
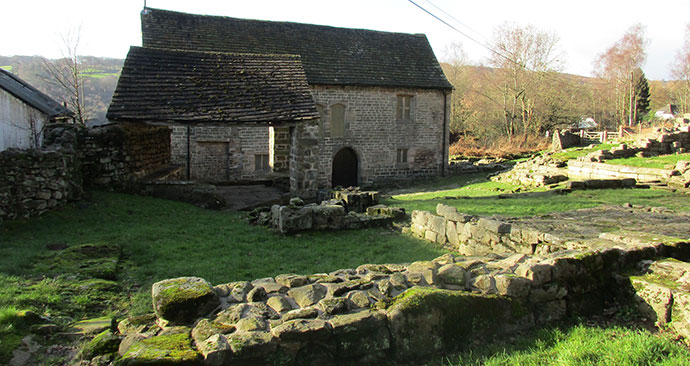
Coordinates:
x,y
180,50
283,22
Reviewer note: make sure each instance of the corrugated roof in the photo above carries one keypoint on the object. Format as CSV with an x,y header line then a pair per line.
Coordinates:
x,y
331,56
32,96
181,86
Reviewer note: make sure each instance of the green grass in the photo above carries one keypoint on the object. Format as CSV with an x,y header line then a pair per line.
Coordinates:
x,y
163,239
659,162
492,198
578,346
7,67
576,152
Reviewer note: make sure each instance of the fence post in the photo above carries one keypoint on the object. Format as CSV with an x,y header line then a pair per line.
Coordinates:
x,y
604,136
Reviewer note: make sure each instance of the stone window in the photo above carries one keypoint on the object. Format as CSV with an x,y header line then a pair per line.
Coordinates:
x,y
401,156
404,108
261,163
337,120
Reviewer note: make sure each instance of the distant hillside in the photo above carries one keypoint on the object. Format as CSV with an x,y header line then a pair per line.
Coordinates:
x,y
101,78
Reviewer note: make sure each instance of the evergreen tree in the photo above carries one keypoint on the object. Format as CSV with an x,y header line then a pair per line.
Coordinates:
x,y
641,95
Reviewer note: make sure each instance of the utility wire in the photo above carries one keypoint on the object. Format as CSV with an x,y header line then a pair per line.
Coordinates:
x,y
488,47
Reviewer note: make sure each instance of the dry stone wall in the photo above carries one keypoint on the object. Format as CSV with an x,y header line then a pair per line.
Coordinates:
x,y
34,181
380,313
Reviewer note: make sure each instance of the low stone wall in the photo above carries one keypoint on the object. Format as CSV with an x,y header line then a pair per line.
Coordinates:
x,y
472,235
469,166
377,313
34,181
587,170
335,214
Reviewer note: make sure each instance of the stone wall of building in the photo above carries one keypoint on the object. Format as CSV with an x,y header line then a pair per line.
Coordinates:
x,y
372,131
219,153
380,313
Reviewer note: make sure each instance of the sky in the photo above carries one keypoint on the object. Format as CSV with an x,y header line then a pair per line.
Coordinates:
x,y
586,28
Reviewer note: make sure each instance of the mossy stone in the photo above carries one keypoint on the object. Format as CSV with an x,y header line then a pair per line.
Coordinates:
x,y
96,260
427,320
173,349
104,343
183,300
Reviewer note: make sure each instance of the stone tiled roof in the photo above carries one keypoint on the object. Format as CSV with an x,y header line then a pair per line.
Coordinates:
x,y
331,56
32,96
177,86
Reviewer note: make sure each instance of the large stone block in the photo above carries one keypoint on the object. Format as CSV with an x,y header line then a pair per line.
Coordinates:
x,y
183,300
360,333
424,321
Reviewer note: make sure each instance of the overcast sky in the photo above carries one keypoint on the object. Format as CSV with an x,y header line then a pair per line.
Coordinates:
x,y
586,27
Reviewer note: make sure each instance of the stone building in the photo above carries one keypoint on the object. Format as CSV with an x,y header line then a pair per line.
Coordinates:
x,y
24,111
217,102
382,97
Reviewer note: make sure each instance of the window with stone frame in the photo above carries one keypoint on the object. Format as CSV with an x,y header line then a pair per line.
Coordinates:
x,y
337,120
404,108
261,163
401,156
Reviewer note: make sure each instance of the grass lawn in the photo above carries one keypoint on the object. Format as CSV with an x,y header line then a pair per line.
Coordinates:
x,y
162,239
482,197
576,152
578,346
660,162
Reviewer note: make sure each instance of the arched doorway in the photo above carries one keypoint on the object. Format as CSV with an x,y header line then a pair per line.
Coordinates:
x,y
345,168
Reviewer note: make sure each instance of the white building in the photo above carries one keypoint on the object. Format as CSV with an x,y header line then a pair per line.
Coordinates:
x,y
24,111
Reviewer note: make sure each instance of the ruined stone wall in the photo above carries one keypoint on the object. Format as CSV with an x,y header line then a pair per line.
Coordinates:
x,y
219,153
589,170
372,131
380,313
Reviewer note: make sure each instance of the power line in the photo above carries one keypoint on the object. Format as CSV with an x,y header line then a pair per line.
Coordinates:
x,y
488,47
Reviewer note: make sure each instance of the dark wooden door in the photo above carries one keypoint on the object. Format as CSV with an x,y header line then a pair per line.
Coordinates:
x,y
345,168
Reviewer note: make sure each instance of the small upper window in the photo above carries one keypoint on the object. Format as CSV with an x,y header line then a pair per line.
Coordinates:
x,y
404,107
261,163
402,156
337,120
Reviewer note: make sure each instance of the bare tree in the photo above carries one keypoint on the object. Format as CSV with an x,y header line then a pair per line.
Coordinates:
x,y
618,65
67,73
681,71
33,126
455,68
526,57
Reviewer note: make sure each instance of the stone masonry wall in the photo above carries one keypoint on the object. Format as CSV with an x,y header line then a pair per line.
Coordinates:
x,y
378,313
34,181
372,131
220,153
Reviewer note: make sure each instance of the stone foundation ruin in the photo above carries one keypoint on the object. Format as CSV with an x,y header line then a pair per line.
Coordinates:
x,y
544,170
350,208
399,313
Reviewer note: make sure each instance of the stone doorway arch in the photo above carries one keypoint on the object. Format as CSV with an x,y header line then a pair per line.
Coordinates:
x,y
345,168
